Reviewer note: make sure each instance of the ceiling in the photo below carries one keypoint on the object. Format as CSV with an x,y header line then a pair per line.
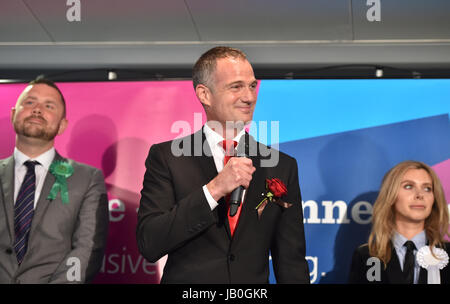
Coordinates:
x,y
288,38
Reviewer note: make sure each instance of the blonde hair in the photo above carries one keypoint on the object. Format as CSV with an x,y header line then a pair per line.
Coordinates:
x,y
383,216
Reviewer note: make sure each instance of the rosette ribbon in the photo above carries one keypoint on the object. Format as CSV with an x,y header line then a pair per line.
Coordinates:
x,y
432,263
61,170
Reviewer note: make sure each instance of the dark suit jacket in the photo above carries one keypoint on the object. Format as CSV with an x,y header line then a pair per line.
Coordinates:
x,y
393,273
175,218
58,231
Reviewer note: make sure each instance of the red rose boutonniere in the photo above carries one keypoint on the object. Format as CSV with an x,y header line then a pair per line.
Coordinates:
x,y
275,189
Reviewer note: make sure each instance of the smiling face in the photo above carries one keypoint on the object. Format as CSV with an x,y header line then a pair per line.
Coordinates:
x,y
231,96
415,197
39,113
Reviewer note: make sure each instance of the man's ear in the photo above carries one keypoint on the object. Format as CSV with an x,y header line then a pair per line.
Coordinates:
x,y
62,126
13,113
203,94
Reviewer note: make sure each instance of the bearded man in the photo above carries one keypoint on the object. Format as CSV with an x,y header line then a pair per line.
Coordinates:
x,y
53,210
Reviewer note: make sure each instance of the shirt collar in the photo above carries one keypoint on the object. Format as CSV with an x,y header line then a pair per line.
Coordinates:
x,y
215,139
45,159
419,240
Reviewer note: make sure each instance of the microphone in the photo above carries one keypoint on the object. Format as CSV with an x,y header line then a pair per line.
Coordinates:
x,y
237,194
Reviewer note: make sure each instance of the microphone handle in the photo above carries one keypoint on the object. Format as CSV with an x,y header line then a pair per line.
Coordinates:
x,y
235,200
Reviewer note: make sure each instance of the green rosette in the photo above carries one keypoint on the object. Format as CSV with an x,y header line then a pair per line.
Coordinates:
x,y
61,170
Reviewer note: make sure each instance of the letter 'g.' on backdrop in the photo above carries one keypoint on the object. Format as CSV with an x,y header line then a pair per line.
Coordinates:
x,y
345,135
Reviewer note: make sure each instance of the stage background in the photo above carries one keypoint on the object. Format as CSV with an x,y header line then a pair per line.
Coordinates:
x,y
345,134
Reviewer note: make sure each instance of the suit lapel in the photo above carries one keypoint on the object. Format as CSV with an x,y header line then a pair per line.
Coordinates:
x,y
206,162
393,271
7,183
43,202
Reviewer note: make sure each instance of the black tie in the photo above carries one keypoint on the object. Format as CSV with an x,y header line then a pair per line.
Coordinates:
x,y
408,266
24,210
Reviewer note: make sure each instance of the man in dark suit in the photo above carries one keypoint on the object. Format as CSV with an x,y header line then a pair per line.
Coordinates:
x,y
53,210
184,208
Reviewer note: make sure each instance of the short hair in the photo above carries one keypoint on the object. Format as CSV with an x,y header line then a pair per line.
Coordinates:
x,y
205,66
436,225
43,80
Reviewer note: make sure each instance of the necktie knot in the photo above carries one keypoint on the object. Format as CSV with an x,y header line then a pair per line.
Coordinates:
x,y
30,164
229,146
409,246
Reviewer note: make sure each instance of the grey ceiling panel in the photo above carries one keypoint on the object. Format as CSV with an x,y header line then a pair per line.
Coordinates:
x,y
403,19
117,20
173,33
291,55
18,24
271,20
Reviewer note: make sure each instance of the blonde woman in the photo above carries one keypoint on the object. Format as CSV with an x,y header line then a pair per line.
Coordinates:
x,y
410,216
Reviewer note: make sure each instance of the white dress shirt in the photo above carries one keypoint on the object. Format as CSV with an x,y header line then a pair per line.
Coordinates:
x,y
41,170
215,144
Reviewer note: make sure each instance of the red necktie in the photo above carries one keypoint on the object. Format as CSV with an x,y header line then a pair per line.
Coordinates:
x,y
229,147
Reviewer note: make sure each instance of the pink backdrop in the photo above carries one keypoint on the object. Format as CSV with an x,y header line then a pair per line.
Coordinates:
x,y
111,127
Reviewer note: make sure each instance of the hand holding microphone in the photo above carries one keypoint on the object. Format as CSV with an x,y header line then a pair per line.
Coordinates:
x,y
238,193
234,178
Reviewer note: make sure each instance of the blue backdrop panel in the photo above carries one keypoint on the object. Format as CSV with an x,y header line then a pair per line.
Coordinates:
x,y
311,108
349,167
345,135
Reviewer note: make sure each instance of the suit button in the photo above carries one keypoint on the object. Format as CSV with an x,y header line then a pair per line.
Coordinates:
x,y
199,226
231,257
8,251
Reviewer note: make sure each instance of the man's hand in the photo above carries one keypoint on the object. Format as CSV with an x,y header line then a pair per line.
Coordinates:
x,y
237,172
